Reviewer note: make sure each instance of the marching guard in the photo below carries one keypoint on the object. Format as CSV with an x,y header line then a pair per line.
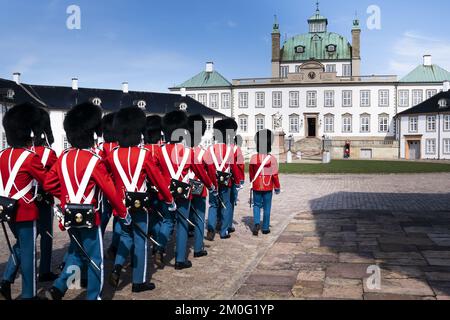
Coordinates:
x,y
264,180
132,166
176,161
19,167
76,179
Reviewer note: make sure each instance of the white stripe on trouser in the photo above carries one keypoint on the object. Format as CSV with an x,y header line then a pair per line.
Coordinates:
x,y
101,264
144,277
34,258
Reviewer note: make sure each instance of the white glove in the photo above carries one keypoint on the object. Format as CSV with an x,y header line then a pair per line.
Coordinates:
x,y
173,207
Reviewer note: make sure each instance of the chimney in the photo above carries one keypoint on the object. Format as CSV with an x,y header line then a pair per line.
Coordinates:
x,y
74,83
276,52
446,85
209,67
427,60
16,77
183,92
125,87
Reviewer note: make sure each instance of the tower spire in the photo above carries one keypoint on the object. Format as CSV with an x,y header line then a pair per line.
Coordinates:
x,y
318,6
276,26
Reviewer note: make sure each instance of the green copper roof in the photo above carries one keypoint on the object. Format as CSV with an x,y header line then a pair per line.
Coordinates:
x,y
206,79
315,47
432,73
317,17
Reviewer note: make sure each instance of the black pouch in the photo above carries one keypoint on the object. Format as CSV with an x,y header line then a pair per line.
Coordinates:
x,y
42,196
223,178
180,190
79,216
137,201
196,187
8,209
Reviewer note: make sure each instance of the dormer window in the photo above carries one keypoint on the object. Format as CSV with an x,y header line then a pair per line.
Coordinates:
x,y
300,49
331,48
141,104
443,103
97,102
183,106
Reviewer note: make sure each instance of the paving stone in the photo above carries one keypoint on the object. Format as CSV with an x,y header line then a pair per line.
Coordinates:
x,y
440,288
274,278
315,258
314,276
414,287
400,297
438,276
348,271
308,289
343,289
346,257
400,258
264,292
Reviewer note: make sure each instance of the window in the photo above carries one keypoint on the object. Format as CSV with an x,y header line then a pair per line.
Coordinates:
x,y
447,146
331,68
243,100
347,98
243,124
260,123
383,98
66,144
347,124
225,101
298,69
347,70
365,98
311,99
4,141
193,96
383,123
331,48
403,98
430,146
413,124
329,124
417,97
300,49
260,97
329,98
294,99
294,124
365,124
203,99
277,99
431,123
284,71
431,93
214,100
447,122
209,124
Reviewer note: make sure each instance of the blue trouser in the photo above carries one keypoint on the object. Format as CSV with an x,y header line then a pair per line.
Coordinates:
x,y
167,227
45,227
24,257
233,199
91,240
140,243
155,218
105,218
262,200
198,218
215,208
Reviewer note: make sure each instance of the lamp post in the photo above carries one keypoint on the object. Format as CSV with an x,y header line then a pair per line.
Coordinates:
x,y
289,153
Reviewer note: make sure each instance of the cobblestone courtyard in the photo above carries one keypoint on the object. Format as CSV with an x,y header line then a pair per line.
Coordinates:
x,y
326,232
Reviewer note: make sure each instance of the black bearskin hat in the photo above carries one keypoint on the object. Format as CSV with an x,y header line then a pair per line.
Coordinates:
x,y
81,123
109,134
43,134
238,140
129,124
264,140
153,129
193,125
172,124
220,131
19,122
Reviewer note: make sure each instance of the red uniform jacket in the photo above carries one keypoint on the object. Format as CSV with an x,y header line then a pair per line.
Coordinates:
x,y
149,172
240,161
77,161
50,156
200,157
106,148
176,154
153,149
230,164
268,179
31,169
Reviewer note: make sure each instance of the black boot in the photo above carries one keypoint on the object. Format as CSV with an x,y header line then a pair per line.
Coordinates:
x,y
111,253
143,287
200,254
232,230
5,290
48,277
210,235
266,231
183,265
256,230
114,277
54,294
159,259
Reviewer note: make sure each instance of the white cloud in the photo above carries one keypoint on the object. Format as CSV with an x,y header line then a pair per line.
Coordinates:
x,y
410,48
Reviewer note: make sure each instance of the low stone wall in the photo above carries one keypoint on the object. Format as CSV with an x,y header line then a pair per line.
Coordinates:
x,y
374,149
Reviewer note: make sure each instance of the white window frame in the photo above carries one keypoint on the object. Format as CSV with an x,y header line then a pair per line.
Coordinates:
x,y
431,123
347,124
260,100
347,101
446,122
365,100
226,100
214,100
243,100
243,124
66,144
347,70
260,123
4,141
417,97
413,124
329,123
209,124
430,146
329,98
277,99
383,123
311,99
383,98
203,98
364,124
294,124
446,146
284,71
294,99
403,98
330,68
430,93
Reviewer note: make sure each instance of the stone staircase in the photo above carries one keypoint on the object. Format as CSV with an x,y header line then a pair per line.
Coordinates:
x,y
311,148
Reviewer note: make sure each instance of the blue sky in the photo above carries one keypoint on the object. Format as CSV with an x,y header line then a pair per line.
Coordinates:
x,y
156,44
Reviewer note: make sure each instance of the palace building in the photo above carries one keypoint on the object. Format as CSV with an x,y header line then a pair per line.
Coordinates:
x,y
316,91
